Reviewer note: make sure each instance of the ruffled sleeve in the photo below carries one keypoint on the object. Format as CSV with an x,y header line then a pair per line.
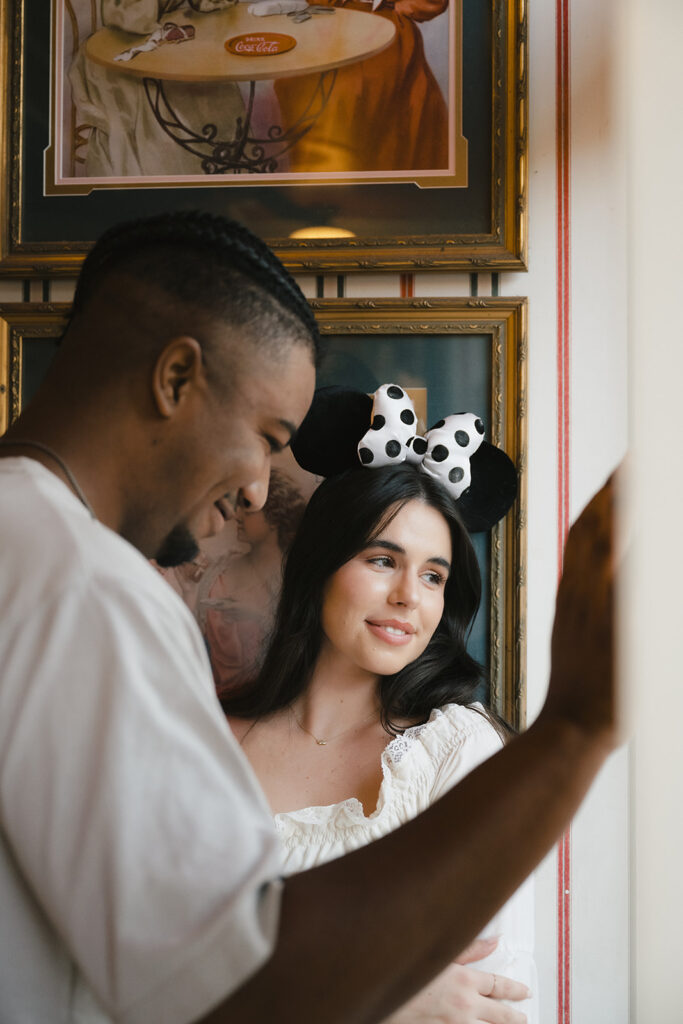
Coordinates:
x,y
460,739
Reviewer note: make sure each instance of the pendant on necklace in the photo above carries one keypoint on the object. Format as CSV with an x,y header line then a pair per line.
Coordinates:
x,y
321,743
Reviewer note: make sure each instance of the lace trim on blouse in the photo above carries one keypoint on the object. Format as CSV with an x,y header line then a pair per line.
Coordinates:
x,y
410,764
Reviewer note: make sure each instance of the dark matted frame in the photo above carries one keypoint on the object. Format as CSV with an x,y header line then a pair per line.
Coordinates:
x,y
397,226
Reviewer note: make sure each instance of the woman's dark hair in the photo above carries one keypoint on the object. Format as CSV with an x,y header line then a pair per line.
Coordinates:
x,y
344,514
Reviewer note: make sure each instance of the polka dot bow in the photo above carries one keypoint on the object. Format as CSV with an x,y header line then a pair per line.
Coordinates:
x,y
444,452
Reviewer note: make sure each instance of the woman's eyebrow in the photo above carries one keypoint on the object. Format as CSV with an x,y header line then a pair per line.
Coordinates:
x,y
389,545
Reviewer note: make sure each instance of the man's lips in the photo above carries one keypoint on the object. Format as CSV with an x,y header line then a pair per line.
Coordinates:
x,y
219,513
392,631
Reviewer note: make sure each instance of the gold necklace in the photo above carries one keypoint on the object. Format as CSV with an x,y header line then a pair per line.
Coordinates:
x,y
337,735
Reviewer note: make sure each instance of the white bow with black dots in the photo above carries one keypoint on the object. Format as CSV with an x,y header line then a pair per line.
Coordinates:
x,y
443,453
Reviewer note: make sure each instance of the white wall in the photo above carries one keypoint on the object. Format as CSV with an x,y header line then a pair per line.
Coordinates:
x,y
655,653
596,947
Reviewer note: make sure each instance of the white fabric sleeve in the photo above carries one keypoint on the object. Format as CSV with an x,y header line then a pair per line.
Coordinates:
x,y
129,806
471,741
265,7
209,6
140,16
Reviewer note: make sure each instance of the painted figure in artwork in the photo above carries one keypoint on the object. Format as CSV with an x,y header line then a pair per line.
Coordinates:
x,y
233,585
125,138
238,596
384,113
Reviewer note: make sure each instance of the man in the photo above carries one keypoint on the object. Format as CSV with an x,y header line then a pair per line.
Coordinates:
x,y
138,863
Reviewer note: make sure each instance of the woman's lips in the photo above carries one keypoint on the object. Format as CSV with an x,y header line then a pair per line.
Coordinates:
x,y
391,631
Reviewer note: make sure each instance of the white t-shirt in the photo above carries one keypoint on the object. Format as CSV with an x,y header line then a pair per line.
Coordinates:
x,y
418,768
138,861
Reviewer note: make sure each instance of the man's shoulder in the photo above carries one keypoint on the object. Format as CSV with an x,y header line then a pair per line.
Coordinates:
x,y
52,546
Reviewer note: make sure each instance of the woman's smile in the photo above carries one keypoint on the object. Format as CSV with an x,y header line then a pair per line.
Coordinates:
x,y
392,632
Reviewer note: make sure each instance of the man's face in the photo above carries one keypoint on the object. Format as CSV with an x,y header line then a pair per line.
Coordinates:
x,y
228,445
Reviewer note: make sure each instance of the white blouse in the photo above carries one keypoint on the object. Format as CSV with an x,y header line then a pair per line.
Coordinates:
x,y
418,767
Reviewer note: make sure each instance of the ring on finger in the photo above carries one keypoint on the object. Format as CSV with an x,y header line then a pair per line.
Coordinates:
x,y
492,993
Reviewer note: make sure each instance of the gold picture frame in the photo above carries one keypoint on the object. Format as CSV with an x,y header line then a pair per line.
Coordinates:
x,y
398,227
501,324
467,351
24,324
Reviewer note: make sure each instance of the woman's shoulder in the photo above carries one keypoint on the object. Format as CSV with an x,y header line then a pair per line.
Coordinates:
x,y
454,723
469,728
472,720
454,740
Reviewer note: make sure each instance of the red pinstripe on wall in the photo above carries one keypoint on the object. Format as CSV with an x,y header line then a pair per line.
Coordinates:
x,y
563,171
407,284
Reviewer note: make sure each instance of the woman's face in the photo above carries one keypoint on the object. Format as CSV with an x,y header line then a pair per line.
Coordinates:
x,y
382,607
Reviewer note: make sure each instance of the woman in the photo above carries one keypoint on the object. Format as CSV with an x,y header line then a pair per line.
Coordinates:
x,y
386,113
362,715
126,138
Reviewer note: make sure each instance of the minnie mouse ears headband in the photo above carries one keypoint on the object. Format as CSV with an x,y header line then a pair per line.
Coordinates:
x,y
346,428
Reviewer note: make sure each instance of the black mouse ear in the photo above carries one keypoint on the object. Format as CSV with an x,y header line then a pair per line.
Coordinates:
x,y
326,443
492,491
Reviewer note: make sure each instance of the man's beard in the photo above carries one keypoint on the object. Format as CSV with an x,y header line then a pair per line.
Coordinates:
x,y
179,546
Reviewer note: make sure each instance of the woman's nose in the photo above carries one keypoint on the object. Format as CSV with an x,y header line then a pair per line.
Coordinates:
x,y
405,591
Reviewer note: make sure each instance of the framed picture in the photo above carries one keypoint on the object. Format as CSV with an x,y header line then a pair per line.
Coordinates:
x,y
407,152
450,355
29,337
455,355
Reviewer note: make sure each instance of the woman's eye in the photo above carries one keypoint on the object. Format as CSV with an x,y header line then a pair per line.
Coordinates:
x,y
383,561
435,578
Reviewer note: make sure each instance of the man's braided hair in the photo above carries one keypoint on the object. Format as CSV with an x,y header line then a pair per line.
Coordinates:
x,y
216,264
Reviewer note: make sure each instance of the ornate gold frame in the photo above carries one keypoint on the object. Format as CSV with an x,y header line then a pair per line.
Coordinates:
x,y
20,321
503,245
505,320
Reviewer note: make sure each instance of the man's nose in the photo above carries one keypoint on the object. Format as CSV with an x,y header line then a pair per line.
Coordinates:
x,y
253,496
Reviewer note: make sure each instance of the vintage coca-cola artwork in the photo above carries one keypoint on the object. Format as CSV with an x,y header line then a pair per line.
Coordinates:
x,y
188,92
260,44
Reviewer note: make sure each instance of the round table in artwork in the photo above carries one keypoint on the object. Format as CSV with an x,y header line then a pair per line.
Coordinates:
x,y
323,42
215,52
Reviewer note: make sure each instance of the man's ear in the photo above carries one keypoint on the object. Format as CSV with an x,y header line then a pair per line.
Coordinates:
x,y
178,370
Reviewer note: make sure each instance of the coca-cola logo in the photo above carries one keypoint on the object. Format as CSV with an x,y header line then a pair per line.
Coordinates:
x,y
260,44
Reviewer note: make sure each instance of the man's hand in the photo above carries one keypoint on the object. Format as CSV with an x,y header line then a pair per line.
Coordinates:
x,y
583,644
464,995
